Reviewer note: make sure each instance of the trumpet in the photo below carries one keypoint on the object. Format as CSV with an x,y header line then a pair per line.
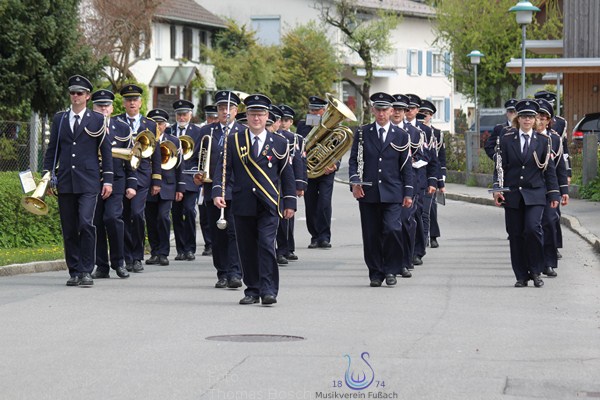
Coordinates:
x,y
168,155
35,203
203,160
187,146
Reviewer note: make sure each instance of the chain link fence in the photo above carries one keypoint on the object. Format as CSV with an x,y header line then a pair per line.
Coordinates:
x,y
22,144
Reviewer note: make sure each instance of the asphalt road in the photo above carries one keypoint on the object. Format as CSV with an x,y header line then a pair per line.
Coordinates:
x,y
457,330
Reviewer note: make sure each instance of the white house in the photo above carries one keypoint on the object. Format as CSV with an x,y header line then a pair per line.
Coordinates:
x,y
414,66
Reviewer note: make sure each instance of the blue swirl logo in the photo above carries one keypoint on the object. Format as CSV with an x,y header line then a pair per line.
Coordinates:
x,y
358,378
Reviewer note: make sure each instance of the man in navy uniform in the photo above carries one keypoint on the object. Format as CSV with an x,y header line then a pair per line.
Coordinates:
x,y
225,249
319,192
286,244
530,175
109,211
159,206
210,117
264,180
498,131
76,138
184,211
385,164
148,175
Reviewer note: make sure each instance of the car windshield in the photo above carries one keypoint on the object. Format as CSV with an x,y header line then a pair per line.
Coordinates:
x,y
590,125
488,122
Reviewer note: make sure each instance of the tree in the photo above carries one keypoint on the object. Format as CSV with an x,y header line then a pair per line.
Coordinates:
x,y
41,47
463,26
123,31
364,32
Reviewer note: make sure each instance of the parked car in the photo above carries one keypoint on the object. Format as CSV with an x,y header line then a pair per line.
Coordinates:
x,y
590,123
487,123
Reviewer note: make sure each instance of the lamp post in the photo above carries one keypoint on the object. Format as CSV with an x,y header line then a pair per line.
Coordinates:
x,y
524,12
475,57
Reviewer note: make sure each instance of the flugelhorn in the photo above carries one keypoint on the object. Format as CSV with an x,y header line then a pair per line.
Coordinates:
x,y
187,146
35,203
168,155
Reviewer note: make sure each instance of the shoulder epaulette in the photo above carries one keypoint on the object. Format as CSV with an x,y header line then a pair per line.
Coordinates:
x,y
543,135
510,132
279,134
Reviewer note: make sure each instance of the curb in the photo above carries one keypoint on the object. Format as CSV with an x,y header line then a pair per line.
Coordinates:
x,y
33,267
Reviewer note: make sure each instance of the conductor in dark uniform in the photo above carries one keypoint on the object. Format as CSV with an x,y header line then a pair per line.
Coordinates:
x,y
380,155
530,175
498,131
184,211
264,180
76,138
108,221
148,180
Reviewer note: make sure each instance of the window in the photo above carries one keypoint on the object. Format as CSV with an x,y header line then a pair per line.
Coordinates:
x,y
442,105
188,43
267,30
173,42
157,43
414,62
203,43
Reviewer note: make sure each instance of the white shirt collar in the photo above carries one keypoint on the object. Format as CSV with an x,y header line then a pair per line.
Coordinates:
x,y
81,114
386,127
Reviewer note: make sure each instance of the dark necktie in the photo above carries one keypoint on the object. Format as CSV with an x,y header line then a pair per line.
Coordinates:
x,y
131,121
526,145
76,124
381,133
181,129
255,148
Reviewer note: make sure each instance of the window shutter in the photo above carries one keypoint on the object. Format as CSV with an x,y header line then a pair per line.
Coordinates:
x,y
409,62
429,63
447,109
420,60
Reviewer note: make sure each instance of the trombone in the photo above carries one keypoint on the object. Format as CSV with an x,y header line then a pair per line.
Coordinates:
x,y
203,160
35,203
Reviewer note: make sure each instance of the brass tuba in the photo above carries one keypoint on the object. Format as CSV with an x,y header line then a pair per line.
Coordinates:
x,y
187,146
35,203
327,142
168,154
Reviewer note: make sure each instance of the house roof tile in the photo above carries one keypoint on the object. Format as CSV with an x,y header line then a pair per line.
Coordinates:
x,y
187,11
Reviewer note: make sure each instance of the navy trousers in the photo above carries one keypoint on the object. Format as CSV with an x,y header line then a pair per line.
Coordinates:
x,y
224,246
550,220
158,222
184,223
204,226
133,217
285,237
317,201
109,225
431,228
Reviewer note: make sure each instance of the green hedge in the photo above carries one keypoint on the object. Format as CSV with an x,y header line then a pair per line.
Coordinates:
x,y
20,228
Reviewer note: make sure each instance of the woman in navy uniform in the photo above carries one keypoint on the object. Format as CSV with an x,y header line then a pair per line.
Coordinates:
x,y
158,206
76,138
381,155
531,177
264,179
225,250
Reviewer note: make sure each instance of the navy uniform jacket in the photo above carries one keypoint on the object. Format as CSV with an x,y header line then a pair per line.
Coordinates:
x,y
302,129
149,171
490,143
424,176
522,175
296,159
255,180
124,176
77,156
559,162
172,179
216,154
440,151
559,124
387,167
191,163
432,166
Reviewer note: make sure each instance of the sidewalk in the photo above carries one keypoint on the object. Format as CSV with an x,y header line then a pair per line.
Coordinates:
x,y
581,216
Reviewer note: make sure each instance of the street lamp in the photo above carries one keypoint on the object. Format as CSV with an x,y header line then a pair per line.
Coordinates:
x,y
475,57
524,12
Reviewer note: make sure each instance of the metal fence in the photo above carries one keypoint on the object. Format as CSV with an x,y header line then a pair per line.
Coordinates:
x,y
22,144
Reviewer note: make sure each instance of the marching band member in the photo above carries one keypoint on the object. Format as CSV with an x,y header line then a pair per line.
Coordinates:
x,y
381,156
225,249
149,180
259,161
159,205
211,116
532,181
109,211
184,211
76,138
498,131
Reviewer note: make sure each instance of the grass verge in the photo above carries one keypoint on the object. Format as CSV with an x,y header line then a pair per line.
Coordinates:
x,y
25,255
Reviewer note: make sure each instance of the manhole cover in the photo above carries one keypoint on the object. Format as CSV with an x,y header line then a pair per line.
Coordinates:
x,y
255,338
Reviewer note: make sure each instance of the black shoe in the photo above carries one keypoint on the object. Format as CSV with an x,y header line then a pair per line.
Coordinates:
x,y
189,256
390,280
375,283
537,281
207,251
180,257
292,256
549,271
152,261
221,283
137,266
324,245
281,260
521,283
129,267
122,272
269,299
313,245
434,243
73,281
163,260
410,267
249,300
86,280
558,255
234,283
417,260
405,273
100,275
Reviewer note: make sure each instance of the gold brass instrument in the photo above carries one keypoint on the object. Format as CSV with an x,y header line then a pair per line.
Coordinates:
x,y
187,146
133,155
327,142
146,142
35,203
204,158
168,155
